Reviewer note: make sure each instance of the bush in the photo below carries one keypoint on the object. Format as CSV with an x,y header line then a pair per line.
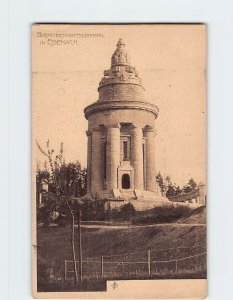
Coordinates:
x,y
92,210
123,213
112,214
163,214
127,211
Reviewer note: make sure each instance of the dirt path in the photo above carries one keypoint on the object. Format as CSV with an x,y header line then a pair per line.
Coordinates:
x,y
140,226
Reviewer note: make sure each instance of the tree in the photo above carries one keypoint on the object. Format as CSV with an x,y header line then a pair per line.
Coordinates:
x,y
168,180
66,186
178,191
187,189
159,179
41,176
171,192
193,184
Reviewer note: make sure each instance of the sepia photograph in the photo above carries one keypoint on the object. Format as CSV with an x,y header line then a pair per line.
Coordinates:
x,y
119,160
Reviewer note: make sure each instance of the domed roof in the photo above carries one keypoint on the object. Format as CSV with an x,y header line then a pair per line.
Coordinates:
x,y
121,87
121,70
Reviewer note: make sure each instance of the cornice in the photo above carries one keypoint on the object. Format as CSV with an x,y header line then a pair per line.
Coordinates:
x,y
120,105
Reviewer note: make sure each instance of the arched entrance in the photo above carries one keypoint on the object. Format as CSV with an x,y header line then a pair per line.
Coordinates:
x,y
125,181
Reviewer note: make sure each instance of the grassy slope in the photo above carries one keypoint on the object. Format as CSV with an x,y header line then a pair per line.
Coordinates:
x,y
167,215
55,242
198,216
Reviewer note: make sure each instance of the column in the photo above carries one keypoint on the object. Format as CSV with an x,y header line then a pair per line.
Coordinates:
x,y
112,155
96,161
137,156
150,159
89,138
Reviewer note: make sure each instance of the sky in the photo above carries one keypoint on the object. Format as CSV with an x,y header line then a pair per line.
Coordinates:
x,y
170,59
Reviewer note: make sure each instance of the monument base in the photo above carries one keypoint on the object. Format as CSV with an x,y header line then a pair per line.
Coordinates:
x,y
140,199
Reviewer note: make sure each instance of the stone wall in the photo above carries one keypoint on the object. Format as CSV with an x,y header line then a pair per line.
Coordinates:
x,y
128,92
197,196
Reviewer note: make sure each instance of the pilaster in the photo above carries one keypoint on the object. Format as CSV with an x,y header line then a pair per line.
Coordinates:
x,y
149,134
112,155
137,156
96,161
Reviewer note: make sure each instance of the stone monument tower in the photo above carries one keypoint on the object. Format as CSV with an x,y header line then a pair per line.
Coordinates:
x,y
121,136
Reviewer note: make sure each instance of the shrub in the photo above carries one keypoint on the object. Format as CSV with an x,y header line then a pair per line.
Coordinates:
x,y
93,210
123,213
127,211
112,214
163,214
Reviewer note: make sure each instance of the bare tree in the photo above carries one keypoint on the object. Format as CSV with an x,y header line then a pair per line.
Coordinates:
x,y
67,184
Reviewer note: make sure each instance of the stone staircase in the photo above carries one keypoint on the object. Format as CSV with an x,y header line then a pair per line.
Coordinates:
x,y
128,194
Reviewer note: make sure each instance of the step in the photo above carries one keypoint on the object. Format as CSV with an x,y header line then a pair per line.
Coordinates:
x,y
128,194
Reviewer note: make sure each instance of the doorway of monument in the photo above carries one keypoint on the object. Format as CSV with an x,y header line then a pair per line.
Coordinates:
x,y
125,181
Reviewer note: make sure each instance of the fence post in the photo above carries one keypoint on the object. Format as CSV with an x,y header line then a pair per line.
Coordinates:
x,y
65,268
129,267
102,266
148,261
176,266
123,271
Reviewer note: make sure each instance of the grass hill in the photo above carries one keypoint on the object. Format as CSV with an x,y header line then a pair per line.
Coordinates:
x,y
197,216
166,242
55,242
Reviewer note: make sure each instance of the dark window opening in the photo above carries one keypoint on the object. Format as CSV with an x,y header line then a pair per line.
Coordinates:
x,y
125,150
125,181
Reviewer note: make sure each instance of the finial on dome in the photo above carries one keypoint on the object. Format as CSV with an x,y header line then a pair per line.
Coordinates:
x,y
120,56
120,71
120,43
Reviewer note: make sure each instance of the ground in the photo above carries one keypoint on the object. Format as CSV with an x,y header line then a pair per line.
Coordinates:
x,y
126,244
55,242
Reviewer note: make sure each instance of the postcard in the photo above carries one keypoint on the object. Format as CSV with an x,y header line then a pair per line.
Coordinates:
x,y
119,161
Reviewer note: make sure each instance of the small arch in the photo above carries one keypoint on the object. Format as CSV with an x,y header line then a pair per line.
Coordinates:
x,y
125,181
